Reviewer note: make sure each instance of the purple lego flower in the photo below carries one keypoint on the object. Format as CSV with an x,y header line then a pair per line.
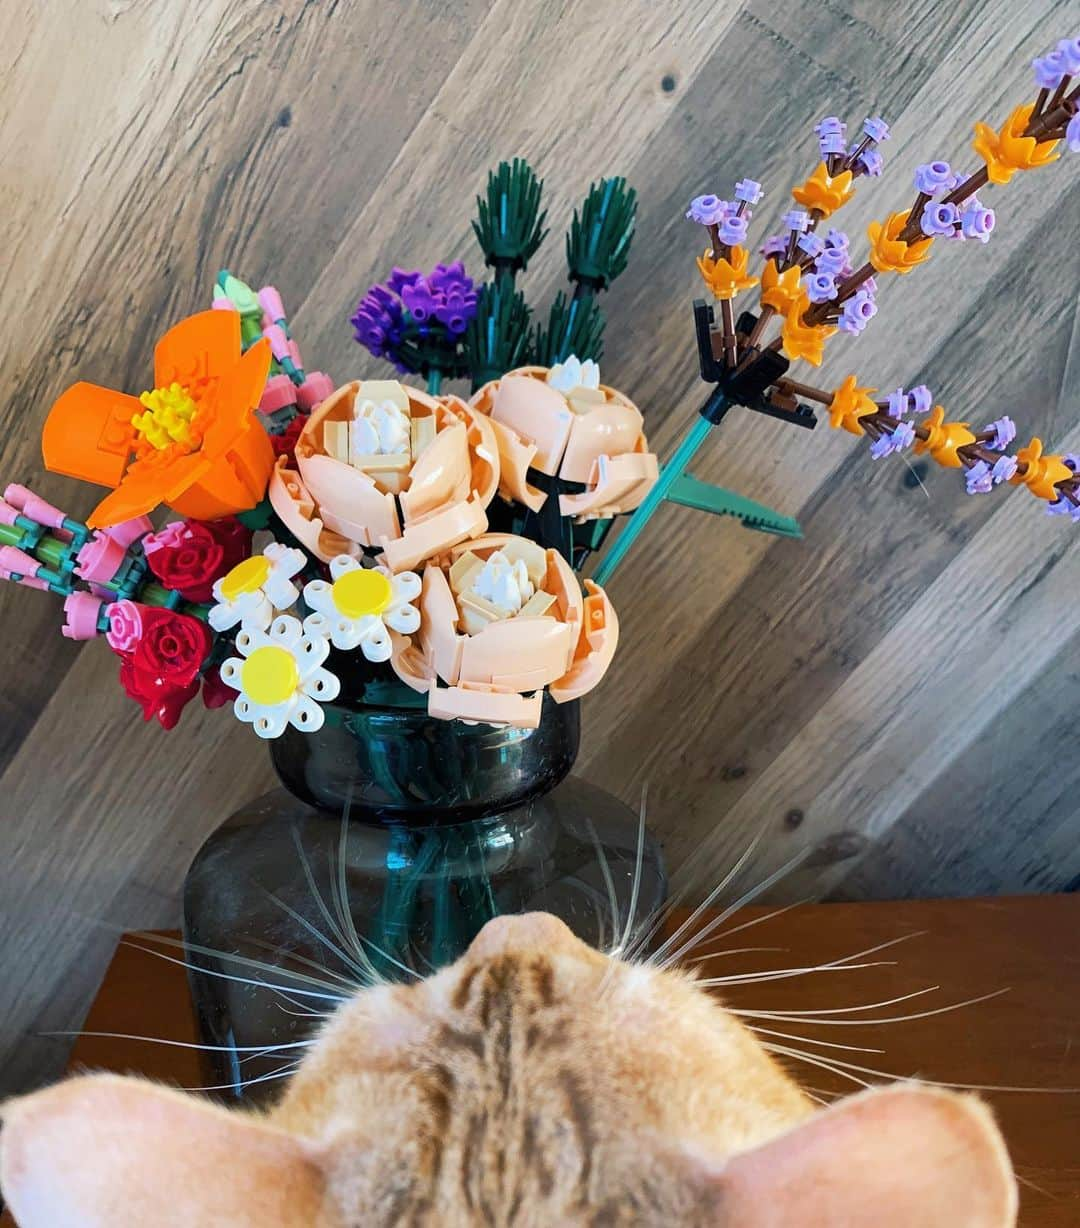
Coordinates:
x,y
1069,50
400,278
876,128
774,245
419,302
977,222
749,191
831,124
933,177
837,239
1004,433
1072,460
810,243
1059,507
869,285
979,479
939,218
872,163
443,300
796,219
831,143
378,321
733,230
922,399
708,210
831,261
1051,69
858,311
881,447
1072,133
898,403
1004,468
820,287
901,438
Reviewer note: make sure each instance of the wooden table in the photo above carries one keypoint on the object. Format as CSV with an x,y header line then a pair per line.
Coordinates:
x,y
1027,1037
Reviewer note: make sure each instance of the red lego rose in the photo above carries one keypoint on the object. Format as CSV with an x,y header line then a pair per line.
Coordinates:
x,y
157,698
172,647
215,693
189,555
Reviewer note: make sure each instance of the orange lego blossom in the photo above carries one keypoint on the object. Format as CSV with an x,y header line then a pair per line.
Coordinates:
x,y
193,442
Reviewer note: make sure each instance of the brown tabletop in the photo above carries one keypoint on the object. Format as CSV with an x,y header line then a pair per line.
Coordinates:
x,y
1028,1037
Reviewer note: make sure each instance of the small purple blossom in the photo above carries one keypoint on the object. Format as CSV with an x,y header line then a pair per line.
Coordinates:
x,y
831,143
922,399
379,320
708,210
858,311
774,245
1004,468
831,261
898,403
749,191
445,299
977,222
837,239
869,285
1072,460
1051,69
1004,433
1069,49
810,243
831,124
882,447
979,479
1072,133
933,177
876,128
400,278
872,163
1060,507
796,219
901,438
939,218
733,230
821,288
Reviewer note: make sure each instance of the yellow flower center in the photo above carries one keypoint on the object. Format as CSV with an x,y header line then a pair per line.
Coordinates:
x,y
246,577
361,592
169,415
270,675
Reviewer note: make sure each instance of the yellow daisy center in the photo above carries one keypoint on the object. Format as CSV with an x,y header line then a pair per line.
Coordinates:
x,y
361,592
169,414
270,675
246,577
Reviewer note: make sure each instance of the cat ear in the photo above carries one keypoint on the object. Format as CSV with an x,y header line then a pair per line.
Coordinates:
x,y
904,1157
108,1152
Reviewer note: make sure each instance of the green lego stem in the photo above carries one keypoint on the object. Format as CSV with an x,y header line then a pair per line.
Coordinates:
x,y
688,491
434,381
674,469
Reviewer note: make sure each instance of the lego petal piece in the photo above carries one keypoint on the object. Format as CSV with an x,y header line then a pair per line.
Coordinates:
x,y
438,627
379,390
538,413
238,393
294,505
515,457
595,649
610,430
202,346
441,476
436,534
409,663
616,484
349,497
88,434
517,654
144,488
487,707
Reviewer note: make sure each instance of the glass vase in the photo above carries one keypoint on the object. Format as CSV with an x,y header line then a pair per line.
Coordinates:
x,y
394,838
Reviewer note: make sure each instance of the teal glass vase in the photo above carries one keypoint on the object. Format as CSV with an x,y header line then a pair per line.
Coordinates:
x,y
393,839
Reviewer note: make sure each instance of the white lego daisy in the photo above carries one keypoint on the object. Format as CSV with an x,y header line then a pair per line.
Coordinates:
x,y
355,608
280,678
257,588
573,373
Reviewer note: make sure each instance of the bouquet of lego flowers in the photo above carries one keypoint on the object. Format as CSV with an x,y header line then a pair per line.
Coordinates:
x,y
419,544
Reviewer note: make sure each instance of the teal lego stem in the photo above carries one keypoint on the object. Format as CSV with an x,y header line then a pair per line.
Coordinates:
x,y
688,491
434,381
669,474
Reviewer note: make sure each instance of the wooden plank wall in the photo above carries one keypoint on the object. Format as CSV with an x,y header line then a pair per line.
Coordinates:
x,y
894,691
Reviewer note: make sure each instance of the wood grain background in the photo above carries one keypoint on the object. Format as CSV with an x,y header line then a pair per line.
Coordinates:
x,y
897,691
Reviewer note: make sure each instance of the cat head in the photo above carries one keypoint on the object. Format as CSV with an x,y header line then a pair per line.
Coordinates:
x,y
534,1082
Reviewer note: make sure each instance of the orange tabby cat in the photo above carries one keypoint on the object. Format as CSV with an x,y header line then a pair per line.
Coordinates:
x,y
534,1082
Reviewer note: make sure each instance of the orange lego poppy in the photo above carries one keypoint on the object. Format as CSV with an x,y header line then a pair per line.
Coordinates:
x,y
192,442
780,291
849,404
824,192
725,278
801,340
891,254
944,439
1009,151
1041,473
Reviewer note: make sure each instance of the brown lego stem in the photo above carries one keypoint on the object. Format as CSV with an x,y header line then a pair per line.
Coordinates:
x,y
727,315
915,212
767,314
720,251
1040,102
808,391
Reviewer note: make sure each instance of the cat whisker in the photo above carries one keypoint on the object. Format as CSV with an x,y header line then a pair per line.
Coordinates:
x,y
783,974
703,959
339,886
242,980
283,1072
688,924
317,934
777,912
845,1010
812,1040
609,882
186,1044
700,935
798,1017
635,888
815,1060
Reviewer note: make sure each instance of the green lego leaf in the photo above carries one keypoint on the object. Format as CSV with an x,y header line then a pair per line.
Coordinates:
x,y
239,293
509,225
497,339
598,242
575,326
703,497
